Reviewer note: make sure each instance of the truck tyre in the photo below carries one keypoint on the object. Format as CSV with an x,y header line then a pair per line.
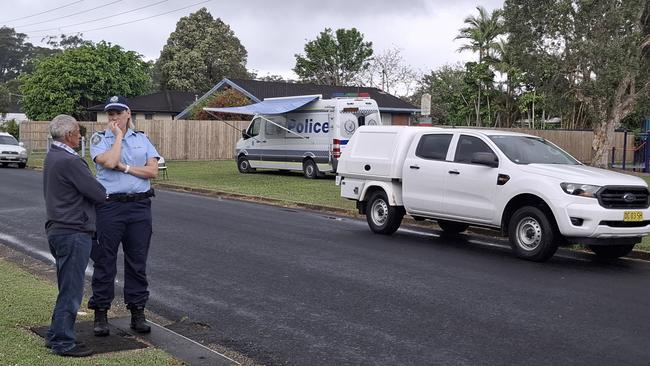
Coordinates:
x,y
310,169
382,217
531,234
452,227
611,251
244,166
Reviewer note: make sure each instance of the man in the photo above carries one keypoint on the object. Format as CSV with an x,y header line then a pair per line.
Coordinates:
x,y
125,161
71,193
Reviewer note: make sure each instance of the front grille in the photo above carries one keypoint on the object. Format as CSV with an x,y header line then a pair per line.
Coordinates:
x,y
625,223
10,152
623,197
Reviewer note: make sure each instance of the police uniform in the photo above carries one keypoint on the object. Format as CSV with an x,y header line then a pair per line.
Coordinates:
x,y
125,218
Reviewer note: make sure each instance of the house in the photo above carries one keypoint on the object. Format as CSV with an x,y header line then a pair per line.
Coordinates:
x,y
163,105
394,111
13,112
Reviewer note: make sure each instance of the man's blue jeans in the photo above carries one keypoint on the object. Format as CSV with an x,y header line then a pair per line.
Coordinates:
x,y
71,252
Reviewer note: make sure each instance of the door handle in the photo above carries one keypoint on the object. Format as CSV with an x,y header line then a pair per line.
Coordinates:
x,y
414,167
454,172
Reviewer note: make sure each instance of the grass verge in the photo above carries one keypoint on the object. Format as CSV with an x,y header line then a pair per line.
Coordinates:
x,y
27,301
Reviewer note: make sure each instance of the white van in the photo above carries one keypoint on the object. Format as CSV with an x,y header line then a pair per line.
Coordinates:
x,y
301,132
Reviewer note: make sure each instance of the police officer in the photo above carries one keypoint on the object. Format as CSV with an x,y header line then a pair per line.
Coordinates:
x,y
125,160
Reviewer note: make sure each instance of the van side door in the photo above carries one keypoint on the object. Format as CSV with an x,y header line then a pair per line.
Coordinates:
x,y
471,185
424,174
252,143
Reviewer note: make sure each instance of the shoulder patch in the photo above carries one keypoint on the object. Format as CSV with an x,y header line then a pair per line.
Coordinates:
x,y
97,138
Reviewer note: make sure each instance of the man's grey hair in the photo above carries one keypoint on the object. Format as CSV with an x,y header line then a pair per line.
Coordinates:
x,y
61,125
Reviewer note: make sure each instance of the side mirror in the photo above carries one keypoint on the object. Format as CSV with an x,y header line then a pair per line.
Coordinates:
x,y
244,135
21,144
485,158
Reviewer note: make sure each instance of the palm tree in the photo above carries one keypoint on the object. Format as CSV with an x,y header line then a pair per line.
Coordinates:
x,y
481,33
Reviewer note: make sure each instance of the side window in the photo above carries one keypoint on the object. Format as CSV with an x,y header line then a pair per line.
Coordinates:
x,y
433,146
467,146
254,128
273,130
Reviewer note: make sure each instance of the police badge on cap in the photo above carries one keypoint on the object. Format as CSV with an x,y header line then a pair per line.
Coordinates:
x,y
116,103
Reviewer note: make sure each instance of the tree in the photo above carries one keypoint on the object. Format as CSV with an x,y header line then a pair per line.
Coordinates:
x,y
5,100
199,53
225,98
481,33
388,72
450,104
334,58
16,55
598,50
77,78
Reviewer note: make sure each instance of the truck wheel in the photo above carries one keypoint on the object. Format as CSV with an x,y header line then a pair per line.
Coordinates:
x,y
310,169
452,227
382,217
244,166
531,235
611,251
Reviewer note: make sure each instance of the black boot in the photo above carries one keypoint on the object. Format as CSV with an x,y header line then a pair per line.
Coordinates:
x,y
101,323
138,321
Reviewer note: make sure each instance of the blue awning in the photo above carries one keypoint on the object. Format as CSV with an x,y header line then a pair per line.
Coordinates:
x,y
268,106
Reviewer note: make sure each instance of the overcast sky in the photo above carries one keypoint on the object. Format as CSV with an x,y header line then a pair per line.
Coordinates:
x,y
272,31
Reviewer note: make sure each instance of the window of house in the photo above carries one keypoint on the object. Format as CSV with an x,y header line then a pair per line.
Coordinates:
x,y
148,116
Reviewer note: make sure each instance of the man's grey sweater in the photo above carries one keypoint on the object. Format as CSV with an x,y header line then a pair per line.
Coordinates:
x,y
71,193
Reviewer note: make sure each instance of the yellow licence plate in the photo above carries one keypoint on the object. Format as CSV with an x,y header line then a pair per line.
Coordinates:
x,y
632,216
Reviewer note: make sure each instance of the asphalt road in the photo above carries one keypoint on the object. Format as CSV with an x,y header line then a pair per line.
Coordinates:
x,y
295,287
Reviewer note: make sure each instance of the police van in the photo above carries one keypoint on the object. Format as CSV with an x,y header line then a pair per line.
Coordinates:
x,y
304,133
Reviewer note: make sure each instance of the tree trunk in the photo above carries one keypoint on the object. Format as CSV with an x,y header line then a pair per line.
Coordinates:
x,y
478,106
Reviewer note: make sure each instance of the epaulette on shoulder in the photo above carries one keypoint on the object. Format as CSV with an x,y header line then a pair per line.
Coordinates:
x,y
142,132
102,132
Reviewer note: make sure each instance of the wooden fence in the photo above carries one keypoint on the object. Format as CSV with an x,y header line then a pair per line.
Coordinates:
x,y
215,140
175,140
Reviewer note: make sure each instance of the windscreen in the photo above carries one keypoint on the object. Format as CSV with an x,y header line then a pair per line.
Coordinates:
x,y
532,150
8,140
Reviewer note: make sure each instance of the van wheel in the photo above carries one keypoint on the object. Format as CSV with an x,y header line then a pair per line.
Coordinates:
x,y
611,251
22,165
310,169
531,234
383,218
244,166
452,227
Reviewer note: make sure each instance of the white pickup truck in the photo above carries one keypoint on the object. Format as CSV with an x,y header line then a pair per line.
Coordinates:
x,y
525,186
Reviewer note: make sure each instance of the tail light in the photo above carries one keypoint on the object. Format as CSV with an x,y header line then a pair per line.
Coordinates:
x,y
336,148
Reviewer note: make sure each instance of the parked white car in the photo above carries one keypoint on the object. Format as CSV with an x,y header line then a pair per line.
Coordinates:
x,y
534,192
12,151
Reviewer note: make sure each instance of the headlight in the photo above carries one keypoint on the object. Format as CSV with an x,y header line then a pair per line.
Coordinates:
x,y
23,153
577,189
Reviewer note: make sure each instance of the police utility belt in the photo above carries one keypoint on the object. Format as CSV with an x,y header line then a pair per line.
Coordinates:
x,y
130,197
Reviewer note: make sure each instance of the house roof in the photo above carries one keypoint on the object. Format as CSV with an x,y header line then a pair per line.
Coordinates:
x,y
257,91
167,101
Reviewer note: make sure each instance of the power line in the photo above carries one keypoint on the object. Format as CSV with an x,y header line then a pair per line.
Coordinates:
x,y
141,19
69,15
43,36
43,12
98,19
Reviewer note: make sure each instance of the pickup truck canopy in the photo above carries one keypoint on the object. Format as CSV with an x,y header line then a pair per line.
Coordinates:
x,y
269,106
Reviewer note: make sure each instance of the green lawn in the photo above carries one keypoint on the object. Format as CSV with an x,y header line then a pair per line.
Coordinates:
x,y
27,301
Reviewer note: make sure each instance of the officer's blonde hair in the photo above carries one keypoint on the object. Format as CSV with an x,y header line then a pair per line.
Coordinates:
x,y
61,125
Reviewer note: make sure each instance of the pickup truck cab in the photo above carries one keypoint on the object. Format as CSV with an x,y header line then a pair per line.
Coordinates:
x,y
523,185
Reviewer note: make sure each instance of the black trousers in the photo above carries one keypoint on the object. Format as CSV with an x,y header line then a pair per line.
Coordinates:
x,y
128,223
